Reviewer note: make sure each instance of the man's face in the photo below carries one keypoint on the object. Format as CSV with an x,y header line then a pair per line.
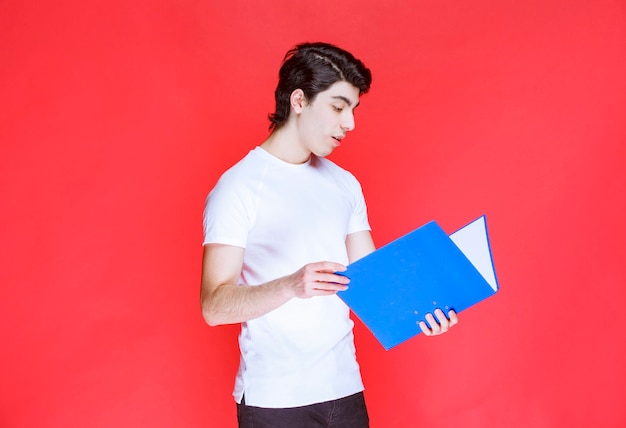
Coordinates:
x,y
324,122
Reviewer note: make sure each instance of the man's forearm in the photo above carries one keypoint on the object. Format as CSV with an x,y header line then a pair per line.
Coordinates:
x,y
231,304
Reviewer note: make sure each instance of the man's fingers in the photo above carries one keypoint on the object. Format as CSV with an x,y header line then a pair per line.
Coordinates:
x,y
320,279
332,278
323,275
330,282
439,325
435,328
442,320
454,319
425,329
329,267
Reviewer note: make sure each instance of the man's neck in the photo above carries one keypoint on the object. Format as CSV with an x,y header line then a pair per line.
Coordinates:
x,y
283,143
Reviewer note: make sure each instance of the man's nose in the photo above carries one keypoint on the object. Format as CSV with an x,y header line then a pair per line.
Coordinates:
x,y
348,123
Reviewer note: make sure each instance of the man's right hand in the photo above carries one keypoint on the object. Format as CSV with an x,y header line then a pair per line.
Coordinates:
x,y
318,279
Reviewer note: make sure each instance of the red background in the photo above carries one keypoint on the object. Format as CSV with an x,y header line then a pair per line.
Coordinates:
x,y
116,118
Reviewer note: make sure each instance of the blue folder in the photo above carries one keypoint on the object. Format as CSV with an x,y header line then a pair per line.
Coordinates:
x,y
392,289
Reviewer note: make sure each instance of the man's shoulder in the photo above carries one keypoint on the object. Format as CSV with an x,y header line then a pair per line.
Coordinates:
x,y
238,184
247,166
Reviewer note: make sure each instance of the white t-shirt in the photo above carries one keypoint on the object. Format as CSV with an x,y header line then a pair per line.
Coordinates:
x,y
286,216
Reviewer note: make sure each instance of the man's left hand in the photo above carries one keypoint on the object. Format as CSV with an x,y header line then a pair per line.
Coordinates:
x,y
441,324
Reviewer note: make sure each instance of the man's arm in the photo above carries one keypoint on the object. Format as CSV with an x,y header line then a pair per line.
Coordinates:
x,y
360,244
223,301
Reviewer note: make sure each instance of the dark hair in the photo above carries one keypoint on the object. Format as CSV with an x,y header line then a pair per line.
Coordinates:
x,y
315,67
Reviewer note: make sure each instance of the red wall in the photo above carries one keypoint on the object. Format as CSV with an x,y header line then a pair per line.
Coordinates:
x,y
117,117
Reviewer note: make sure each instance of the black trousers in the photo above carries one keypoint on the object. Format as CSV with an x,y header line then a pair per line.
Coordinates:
x,y
347,412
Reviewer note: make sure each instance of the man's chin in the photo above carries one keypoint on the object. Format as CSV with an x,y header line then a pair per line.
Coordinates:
x,y
323,153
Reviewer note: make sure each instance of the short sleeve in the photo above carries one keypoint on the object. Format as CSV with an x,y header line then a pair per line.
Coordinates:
x,y
226,218
358,220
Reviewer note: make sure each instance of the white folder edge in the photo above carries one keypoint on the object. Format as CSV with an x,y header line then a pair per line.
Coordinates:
x,y
473,241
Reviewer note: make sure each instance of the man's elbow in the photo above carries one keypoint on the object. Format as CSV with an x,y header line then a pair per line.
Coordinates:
x,y
209,319
210,316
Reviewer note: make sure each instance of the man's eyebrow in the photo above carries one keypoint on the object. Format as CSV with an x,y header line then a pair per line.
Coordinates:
x,y
345,100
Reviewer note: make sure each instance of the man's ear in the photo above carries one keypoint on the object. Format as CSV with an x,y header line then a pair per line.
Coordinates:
x,y
297,100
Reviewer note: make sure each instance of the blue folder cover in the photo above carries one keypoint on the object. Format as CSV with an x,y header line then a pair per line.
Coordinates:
x,y
392,289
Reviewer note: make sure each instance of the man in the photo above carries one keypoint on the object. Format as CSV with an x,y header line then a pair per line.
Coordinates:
x,y
277,227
